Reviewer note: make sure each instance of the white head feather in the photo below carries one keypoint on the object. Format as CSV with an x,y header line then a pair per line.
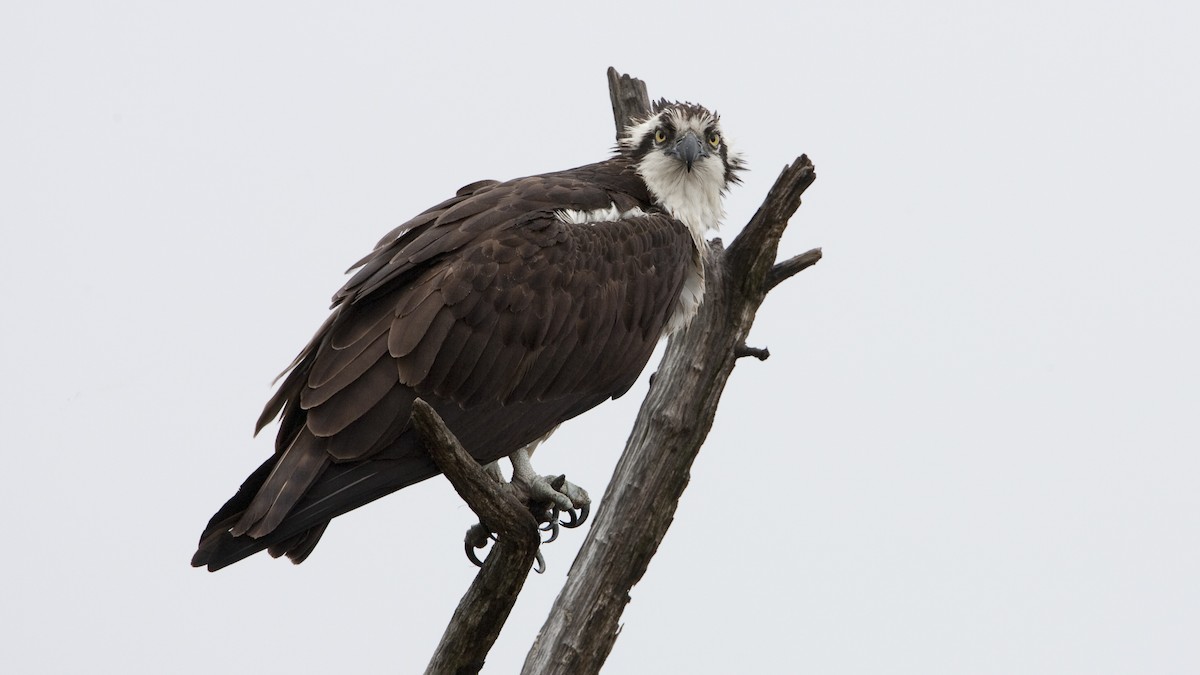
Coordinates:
x,y
693,196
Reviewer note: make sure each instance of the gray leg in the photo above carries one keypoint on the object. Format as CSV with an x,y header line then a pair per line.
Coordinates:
x,y
565,497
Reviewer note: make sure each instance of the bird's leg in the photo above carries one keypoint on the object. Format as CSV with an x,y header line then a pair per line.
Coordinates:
x,y
493,469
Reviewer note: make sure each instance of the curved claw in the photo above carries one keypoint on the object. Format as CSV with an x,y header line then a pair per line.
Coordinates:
x,y
573,522
477,538
577,521
471,554
552,529
539,563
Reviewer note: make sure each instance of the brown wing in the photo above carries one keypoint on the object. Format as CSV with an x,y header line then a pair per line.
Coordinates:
x,y
505,319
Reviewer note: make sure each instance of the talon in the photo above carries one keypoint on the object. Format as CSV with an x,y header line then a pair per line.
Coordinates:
x,y
553,530
539,563
471,554
477,538
583,514
558,482
550,517
572,522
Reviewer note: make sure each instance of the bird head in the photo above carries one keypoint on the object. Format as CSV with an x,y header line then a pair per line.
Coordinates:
x,y
685,160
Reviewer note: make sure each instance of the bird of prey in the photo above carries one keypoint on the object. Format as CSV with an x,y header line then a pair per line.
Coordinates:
x,y
509,308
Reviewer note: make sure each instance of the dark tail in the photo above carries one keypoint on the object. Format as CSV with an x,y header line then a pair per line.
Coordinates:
x,y
341,488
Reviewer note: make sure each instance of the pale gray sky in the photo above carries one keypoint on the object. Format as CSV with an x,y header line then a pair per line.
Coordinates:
x,y
973,450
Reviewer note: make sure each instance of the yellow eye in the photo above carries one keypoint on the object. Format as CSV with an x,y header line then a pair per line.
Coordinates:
x,y
660,136
714,139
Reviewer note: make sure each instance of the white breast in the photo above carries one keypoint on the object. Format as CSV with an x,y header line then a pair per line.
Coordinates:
x,y
689,298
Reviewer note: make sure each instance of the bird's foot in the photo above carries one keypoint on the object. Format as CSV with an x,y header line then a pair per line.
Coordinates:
x,y
548,497
477,538
558,494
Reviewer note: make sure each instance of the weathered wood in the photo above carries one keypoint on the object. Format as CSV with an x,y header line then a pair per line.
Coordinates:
x,y
762,354
676,416
629,98
791,267
485,607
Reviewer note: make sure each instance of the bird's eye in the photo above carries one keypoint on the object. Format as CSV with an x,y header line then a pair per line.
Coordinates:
x,y
660,136
714,139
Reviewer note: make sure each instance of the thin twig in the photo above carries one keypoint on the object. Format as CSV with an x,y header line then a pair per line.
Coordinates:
x,y
791,267
762,354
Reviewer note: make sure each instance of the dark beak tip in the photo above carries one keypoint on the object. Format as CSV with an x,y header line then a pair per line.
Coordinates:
x,y
688,148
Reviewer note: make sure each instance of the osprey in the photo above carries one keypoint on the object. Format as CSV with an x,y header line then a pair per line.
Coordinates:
x,y
510,308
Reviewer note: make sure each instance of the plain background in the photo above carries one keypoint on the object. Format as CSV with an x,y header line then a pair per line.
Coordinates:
x,y
973,449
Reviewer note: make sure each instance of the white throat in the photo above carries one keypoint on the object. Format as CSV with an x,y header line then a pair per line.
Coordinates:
x,y
694,197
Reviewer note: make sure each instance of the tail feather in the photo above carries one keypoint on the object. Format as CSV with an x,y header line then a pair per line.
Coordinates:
x,y
300,546
341,488
293,472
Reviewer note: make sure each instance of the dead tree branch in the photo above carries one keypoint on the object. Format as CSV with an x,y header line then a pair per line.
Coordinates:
x,y
640,501
483,610
629,99
791,267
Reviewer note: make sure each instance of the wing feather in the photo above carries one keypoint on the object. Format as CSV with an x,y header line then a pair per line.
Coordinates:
x,y
450,356
352,402
414,366
412,321
366,322
544,370
352,364
368,432
503,317
472,352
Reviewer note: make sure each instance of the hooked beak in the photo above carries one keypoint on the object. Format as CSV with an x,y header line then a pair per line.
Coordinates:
x,y
688,149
